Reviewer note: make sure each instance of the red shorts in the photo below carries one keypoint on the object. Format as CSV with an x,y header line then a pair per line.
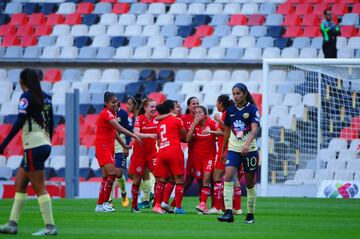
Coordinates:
x,y
218,164
170,162
190,170
140,161
105,155
202,166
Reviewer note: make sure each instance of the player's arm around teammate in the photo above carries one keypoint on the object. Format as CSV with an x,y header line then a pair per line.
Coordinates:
x,y
35,119
242,123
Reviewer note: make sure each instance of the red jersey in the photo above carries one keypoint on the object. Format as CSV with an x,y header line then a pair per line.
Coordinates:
x,y
204,143
188,120
221,137
105,132
168,131
146,126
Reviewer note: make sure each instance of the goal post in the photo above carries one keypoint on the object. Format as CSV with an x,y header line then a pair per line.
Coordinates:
x,y
305,103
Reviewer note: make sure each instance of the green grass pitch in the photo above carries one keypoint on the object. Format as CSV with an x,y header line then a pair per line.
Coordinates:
x,y
275,218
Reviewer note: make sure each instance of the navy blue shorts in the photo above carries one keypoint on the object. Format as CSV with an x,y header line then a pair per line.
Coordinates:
x,y
250,162
120,161
34,159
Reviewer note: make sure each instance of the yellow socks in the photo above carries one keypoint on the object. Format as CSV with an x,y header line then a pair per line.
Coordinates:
x,y
146,188
122,184
251,198
19,202
228,195
46,209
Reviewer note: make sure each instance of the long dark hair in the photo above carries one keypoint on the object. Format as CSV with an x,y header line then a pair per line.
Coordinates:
x,y
203,108
245,90
165,107
225,101
31,79
108,96
136,99
144,103
188,103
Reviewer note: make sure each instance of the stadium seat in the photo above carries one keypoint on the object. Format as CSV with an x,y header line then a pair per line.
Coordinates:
x,y
73,19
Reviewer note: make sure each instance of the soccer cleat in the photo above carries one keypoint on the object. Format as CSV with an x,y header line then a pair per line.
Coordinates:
x,y
125,200
135,210
214,211
151,197
8,229
167,207
179,211
227,217
157,209
47,231
237,212
202,208
99,208
107,207
144,204
249,218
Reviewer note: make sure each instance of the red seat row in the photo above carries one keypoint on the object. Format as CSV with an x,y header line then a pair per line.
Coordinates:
x,y
252,20
306,7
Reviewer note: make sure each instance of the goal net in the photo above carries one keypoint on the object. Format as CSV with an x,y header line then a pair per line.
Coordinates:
x,y
312,128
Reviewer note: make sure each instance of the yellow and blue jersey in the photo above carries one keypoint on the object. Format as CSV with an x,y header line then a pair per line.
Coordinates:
x,y
239,121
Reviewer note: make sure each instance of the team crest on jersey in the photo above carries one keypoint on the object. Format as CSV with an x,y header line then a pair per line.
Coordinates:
x,y
198,173
246,115
155,121
23,104
138,169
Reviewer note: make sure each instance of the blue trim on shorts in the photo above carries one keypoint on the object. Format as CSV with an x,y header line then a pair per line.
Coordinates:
x,y
120,161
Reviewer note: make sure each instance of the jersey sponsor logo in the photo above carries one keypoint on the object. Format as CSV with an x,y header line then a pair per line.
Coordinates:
x,y
239,125
23,104
246,115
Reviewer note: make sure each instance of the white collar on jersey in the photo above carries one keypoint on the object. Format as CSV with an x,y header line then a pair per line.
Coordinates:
x,y
248,103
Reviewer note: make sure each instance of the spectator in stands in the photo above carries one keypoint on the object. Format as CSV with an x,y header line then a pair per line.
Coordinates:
x,y
329,31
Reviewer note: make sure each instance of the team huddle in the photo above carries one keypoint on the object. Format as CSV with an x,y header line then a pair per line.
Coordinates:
x,y
220,152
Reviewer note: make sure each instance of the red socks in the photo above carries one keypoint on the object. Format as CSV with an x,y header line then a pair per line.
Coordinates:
x,y
159,192
135,195
108,187
205,192
237,198
101,191
179,194
169,187
218,195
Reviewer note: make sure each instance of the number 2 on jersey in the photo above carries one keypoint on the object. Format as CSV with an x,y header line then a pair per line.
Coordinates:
x,y
162,133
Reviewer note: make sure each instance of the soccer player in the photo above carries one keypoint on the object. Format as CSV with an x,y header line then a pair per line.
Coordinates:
x,y
222,104
35,118
143,158
242,122
202,134
170,161
107,126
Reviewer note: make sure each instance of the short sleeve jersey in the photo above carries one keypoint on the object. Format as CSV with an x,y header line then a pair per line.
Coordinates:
x,y
188,120
204,142
123,120
239,120
220,137
35,131
146,126
168,131
105,132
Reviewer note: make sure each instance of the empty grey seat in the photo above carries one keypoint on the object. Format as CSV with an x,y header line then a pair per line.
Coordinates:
x,y
117,87
357,53
105,53
258,31
129,75
301,42
183,19
274,20
171,88
184,75
234,53
97,98
222,30
169,30
345,53
350,19
97,87
138,8
101,8
317,42
87,53
13,52
264,42
14,75
137,41
5,173
13,7
174,41
2,51
271,52
32,52
46,41
46,86
210,41
219,19
267,8
71,75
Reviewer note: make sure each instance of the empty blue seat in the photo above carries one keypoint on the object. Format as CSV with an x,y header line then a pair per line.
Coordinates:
x,y
275,31
150,86
48,8
118,41
137,41
234,53
183,19
138,8
4,19
133,88
2,51
175,41
282,42
10,119
201,20
121,96
85,173
169,30
105,53
210,41
32,52
185,31
13,52
166,75
82,41
90,19
147,75
84,109
30,8
87,53
102,8
90,1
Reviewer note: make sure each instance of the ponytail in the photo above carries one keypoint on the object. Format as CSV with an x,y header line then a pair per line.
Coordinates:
x,y
31,79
